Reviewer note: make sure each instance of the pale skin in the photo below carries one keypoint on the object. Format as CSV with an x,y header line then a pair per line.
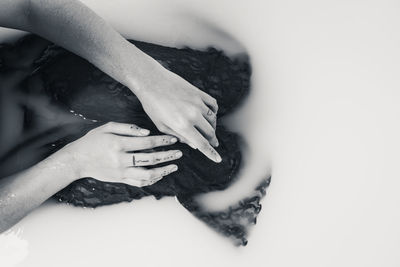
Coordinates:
x,y
176,107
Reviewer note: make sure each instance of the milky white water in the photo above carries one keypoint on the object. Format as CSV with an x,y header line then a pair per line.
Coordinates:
x,y
323,117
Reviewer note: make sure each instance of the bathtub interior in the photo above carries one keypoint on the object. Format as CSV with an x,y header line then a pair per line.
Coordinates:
x,y
322,118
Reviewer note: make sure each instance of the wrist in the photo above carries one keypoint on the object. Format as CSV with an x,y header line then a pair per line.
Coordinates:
x,y
144,74
64,165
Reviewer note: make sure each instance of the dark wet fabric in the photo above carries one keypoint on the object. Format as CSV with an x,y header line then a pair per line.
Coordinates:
x,y
75,89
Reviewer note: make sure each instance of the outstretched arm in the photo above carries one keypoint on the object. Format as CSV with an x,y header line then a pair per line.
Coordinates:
x,y
174,105
25,191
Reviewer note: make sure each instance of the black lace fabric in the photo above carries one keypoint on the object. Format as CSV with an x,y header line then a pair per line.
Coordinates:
x,y
76,89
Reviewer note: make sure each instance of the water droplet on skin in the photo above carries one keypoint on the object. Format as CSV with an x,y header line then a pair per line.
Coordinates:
x,y
80,115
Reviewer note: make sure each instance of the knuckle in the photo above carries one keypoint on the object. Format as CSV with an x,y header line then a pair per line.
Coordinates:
x,y
186,125
166,156
213,133
115,161
109,125
212,100
198,101
181,124
152,159
114,145
210,132
148,142
193,114
162,157
153,141
153,174
203,146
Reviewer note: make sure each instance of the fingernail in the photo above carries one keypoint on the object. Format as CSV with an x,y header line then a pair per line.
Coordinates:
x,y
216,143
178,154
218,158
144,131
174,140
174,168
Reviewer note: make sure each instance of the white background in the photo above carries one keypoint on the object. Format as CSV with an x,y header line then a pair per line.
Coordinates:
x,y
323,117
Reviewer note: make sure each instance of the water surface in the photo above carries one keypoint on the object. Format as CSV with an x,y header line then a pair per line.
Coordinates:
x,y
323,118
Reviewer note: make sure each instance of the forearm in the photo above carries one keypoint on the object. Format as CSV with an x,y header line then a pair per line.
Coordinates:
x,y
25,191
72,25
175,106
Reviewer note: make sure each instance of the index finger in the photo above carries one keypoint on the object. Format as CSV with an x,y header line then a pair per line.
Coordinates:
x,y
141,143
193,136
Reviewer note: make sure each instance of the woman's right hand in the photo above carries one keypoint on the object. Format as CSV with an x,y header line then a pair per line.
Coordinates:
x,y
109,153
178,108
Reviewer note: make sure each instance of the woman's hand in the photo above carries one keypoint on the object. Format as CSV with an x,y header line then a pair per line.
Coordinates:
x,y
178,108
109,153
